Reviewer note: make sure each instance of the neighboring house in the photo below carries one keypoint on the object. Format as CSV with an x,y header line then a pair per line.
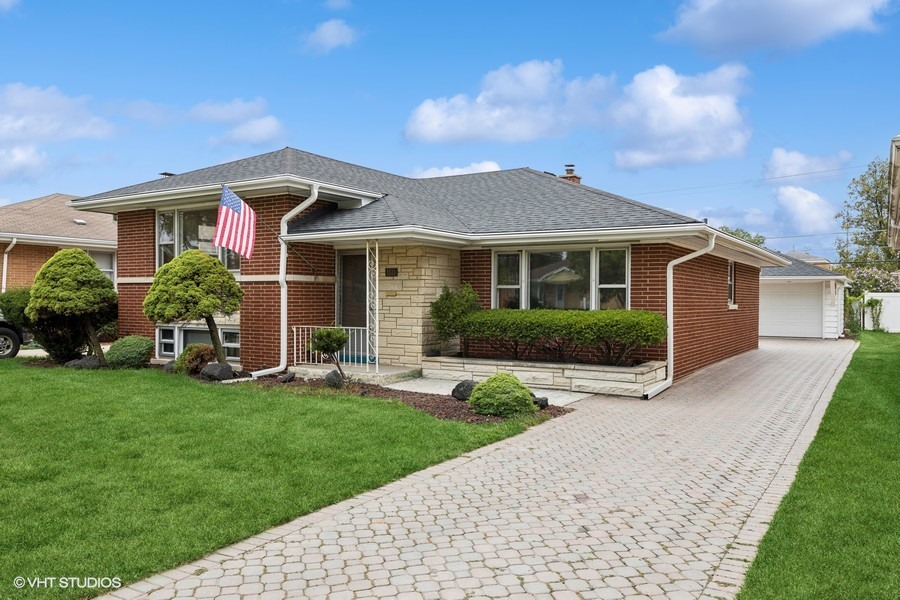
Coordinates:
x,y
894,195
351,234
801,300
812,259
34,230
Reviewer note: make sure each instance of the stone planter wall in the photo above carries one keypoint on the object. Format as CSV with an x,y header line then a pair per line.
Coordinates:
x,y
597,379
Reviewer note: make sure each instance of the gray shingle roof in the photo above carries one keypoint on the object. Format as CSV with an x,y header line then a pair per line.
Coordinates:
x,y
797,268
50,216
515,200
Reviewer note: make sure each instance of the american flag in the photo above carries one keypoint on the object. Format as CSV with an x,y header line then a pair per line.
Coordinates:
x,y
235,225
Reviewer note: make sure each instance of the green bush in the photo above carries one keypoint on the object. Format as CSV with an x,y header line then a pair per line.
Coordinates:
x,y
450,309
63,339
12,305
329,341
193,358
502,395
130,352
557,335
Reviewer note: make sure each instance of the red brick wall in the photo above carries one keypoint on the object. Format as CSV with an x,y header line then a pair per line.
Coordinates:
x,y
475,269
23,263
136,258
309,302
706,331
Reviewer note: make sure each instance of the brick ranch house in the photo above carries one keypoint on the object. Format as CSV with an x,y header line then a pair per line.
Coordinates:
x,y
331,235
34,230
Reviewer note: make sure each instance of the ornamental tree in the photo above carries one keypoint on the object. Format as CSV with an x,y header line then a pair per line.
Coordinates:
x,y
70,287
194,286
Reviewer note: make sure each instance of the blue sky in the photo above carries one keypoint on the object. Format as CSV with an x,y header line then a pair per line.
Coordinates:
x,y
706,107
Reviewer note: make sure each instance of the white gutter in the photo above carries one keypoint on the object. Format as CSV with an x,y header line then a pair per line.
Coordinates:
x,y
282,282
26,238
670,316
5,258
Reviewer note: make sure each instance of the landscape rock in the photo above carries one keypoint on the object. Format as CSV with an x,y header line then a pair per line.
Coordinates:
x,y
287,378
334,380
86,362
463,390
169,367
217,372
432,352
542,402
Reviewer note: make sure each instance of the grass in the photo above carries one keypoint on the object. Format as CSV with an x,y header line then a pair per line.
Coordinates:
x,y
837,532
128,473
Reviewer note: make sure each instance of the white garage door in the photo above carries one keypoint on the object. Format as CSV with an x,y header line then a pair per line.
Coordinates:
x,y
790,309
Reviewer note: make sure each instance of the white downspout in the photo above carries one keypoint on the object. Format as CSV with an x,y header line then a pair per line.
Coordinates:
x,y
282,282
670,316
5,259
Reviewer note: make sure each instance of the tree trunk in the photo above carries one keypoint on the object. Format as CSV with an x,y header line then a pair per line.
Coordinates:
x,y
95,342
216,341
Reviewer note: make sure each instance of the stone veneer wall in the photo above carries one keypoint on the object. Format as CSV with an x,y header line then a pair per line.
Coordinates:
x,y
575,377
405,329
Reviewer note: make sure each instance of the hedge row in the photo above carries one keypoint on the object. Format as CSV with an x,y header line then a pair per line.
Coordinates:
x,y
558,335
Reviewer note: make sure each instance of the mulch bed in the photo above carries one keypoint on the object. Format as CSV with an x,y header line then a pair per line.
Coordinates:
x,y
440,406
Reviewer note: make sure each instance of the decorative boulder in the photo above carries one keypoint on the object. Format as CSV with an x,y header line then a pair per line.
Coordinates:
x,y
432,352
287,378
86,362
463,390
334,380
541,402
169,366
217,372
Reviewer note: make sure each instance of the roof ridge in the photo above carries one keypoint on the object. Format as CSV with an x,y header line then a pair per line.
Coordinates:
x,y
598,191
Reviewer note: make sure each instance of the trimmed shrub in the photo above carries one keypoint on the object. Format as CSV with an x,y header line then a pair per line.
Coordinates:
x,y
450,309
502,395
557,335
12,305
193,358
63,339
329,341
130,352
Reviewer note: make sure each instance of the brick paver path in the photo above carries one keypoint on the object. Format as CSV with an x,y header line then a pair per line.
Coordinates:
x,y
620,499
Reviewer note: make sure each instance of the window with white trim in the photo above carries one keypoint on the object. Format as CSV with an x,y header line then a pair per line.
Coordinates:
x,y
508,293
172,340
577,278
193,229
731,301
106,262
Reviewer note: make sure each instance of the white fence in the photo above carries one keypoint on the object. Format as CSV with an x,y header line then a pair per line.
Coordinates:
x,y
890,311
356,352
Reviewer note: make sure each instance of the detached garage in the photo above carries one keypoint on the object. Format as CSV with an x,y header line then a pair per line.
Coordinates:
x,y
801,300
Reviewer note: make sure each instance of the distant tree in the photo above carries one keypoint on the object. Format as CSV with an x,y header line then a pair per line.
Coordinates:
x,y
70,287
754,238
864,218
194,286
870,279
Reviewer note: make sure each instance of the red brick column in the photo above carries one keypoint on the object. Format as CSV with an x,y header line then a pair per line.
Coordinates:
x,y
475,269
136,257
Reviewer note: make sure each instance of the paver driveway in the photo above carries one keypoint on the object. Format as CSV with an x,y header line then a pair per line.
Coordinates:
x,y
622,498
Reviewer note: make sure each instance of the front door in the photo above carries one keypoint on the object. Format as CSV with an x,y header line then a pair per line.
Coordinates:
x,y
353,290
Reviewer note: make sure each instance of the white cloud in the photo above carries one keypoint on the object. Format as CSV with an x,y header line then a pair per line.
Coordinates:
x,y
671,119
234,111
808,212
7,4
525,102
330,35
475,167
255,132
21,162
34,115
728,26
785,163
337,4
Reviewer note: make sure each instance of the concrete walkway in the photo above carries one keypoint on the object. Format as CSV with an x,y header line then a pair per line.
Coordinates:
x,y
621,498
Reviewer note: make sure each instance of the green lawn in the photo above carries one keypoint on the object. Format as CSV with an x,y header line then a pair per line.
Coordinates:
x,y
837,532
128,473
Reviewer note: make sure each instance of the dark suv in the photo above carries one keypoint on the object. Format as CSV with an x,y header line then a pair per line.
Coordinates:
x,y
11,337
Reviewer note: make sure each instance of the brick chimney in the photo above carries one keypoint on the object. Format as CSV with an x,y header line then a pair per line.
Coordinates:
x,y
570,175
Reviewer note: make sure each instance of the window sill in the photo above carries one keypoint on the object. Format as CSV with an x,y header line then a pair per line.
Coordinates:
x,y
732,307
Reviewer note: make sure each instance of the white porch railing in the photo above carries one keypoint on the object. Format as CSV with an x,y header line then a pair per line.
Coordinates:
x,y
357,352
